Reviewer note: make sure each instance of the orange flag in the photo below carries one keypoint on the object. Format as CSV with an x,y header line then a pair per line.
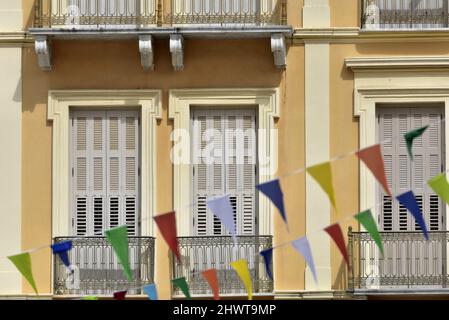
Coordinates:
x,y
167,226
372,157
211,277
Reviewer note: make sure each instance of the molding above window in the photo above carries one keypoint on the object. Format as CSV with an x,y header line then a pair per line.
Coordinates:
x,y
59,104
418,62
267,104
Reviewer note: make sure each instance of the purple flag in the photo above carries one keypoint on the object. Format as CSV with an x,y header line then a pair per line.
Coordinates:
x,y
408,200
268,257
272,189
222,208
302,245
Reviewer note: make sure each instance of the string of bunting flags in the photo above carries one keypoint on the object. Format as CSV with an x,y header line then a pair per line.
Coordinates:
x,y
221,207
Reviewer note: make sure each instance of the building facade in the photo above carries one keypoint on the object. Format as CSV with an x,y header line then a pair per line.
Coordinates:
x,y
106,106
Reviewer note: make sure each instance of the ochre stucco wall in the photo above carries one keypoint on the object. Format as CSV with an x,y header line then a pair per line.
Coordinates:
x,y
345,13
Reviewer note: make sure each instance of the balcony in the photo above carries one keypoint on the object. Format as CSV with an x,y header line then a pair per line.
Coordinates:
x,y
97,271
201,253
404,14
410,265
145,19
149,13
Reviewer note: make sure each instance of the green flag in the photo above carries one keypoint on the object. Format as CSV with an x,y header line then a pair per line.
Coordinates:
x,y
412,135
367,221
440,185
181,283
90,298
23,264
118,237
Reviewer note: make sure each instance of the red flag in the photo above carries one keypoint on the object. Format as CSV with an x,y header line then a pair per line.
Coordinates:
x,y
372,157
211,277
120,295
336,234
167,226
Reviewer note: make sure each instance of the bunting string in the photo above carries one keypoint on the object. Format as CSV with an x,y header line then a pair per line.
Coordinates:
x,y
180,281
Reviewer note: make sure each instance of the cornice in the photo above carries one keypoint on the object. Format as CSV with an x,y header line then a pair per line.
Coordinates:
x,y
398,63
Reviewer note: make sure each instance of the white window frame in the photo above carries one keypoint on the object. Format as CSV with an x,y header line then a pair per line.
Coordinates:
x,y
267,103
59,104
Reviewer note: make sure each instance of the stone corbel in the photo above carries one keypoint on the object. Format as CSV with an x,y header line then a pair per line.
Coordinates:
x,y
177,51
279,49
43,51
146,52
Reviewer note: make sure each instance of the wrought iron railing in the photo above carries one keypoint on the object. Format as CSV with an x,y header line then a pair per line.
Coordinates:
x,y
75,14
201,253
409,261
97,271
404,14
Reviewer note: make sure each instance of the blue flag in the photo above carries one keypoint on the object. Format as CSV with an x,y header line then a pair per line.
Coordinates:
x,y
61,249
268,257
408,200
272,189
151,291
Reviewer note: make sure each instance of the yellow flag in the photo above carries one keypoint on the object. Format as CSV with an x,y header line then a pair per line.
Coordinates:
x,y
322,173
241,267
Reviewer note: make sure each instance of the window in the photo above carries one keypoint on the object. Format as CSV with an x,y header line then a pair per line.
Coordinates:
x,y
404,174
105,171
224,162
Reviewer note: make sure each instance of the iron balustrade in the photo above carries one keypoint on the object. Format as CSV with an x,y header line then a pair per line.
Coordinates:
x,y
202,253
409,261
73,14
97,270
404,14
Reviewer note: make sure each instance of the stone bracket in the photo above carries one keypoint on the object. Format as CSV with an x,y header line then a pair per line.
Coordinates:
x,y
42,46
177,51
146,52
279,49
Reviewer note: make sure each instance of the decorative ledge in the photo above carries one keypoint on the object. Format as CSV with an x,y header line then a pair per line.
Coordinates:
x,y
279,49
146,52
177,51
376,63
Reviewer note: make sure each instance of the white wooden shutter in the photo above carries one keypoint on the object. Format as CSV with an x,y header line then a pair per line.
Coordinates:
x,y
232,134
402,173
105,171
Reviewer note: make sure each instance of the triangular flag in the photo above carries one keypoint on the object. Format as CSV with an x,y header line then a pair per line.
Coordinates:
x,y
408,200
23,264
372,157
336,234
272,189
181,283
222,208
268,257
212,279
167,226
61,249
440,185
366,219
412,135
241,267
118,237
151,291
92,298
322,173
121,295
302,245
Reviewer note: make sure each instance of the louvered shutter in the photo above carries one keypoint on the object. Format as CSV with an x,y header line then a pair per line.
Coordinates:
x,y
402,173
229,138
105,162
89,165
